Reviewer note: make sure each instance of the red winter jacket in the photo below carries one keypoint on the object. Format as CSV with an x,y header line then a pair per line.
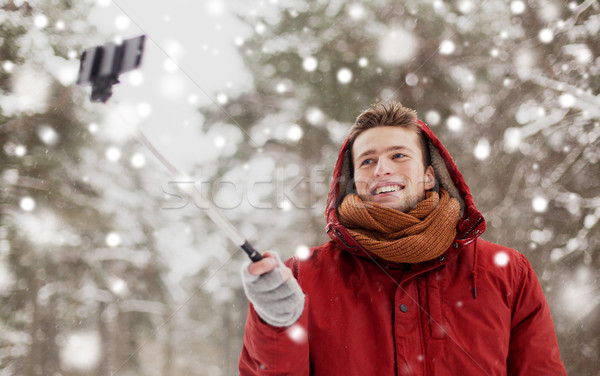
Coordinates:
x,y
477,310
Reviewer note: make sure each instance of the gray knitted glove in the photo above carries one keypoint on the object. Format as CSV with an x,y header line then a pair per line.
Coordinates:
x,y
277,302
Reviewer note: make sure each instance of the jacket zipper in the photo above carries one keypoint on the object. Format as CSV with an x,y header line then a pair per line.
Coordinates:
x,y
424,363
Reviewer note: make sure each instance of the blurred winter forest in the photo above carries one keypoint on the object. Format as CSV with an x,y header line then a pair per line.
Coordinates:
x,y
99,275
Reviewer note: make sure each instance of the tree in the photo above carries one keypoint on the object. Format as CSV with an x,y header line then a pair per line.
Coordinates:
x,y
76,296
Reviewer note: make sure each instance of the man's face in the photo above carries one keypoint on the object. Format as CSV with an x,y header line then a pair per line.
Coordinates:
x,y
388,167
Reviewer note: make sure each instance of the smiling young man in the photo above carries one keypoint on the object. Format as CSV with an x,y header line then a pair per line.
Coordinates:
x,y
406,286
390,168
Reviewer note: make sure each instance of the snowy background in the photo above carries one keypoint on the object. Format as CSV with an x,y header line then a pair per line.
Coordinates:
x,y
105,268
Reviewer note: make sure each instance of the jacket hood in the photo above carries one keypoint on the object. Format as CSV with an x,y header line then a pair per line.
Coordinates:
x,y
470,226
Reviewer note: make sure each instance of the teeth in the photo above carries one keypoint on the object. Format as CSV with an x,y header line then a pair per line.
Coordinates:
x,y
388,188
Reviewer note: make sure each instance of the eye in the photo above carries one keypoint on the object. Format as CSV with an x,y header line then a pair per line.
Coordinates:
x,y
398,155
366,162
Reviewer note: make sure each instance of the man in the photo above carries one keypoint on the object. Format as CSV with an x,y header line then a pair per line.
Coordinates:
x,y
405,286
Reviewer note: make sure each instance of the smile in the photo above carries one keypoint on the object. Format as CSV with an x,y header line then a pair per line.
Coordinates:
x,y
386,189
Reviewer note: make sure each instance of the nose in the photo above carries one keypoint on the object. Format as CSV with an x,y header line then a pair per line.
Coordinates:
x,y
382,168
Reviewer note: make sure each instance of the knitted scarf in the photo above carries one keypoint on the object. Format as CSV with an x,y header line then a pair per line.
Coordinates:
x,y
422,234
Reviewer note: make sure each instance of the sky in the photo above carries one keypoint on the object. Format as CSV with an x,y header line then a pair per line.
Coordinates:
x,y
190,60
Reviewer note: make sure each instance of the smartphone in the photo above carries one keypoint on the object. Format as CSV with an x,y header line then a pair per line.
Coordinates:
x,y
101,66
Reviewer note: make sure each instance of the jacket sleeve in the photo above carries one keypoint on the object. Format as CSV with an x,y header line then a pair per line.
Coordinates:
x,y
533,348
269,350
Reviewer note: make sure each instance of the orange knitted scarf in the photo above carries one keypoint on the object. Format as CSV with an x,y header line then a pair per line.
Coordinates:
x,y
422,234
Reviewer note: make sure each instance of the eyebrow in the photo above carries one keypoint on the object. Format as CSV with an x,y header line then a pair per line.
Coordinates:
x,y
386,150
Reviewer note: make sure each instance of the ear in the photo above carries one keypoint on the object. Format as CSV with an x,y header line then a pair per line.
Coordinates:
x,y
429,179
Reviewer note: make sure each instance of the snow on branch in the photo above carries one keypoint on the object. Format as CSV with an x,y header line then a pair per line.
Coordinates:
x,y
580,99
137,257
555,116
144,306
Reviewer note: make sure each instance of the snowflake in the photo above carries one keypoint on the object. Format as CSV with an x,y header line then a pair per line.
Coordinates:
x,y
433,117
27,203
501,259
398,46
344,76
297,333
310,64
113,154
47,134
539,204
482,150
454,123
546,35
81,351
447,47
138,160
517,7
302,252
294,133
113,239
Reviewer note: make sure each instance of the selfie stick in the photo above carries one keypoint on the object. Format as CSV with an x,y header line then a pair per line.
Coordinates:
x,y
215,215
101,67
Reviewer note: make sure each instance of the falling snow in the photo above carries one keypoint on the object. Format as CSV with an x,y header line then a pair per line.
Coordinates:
x,y
356,11
118,286
344,76
8,66
281,87
47,135
466,6
40,21
27,204
113,154
20,150
566,100
433,118
482,150
297,333
113,239
539,204
138,160
454,123
122,22
136,78
260,28
285,205
501,259
512,139
302,252
411,79
447,47
294,133
398,46
546,36
222,98
310,64
315,116
577,295
517,7
506,85
220,141
81,351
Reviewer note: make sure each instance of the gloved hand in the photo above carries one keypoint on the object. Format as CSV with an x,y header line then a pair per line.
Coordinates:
x,y
275,293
